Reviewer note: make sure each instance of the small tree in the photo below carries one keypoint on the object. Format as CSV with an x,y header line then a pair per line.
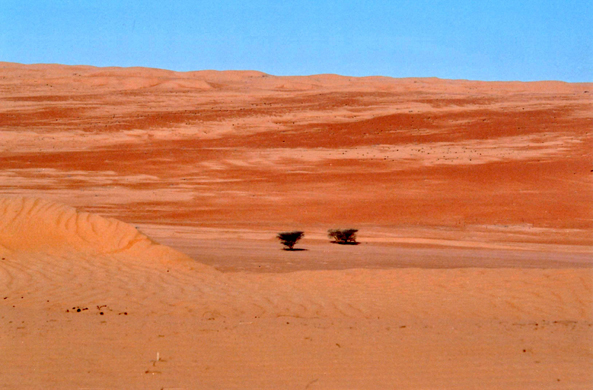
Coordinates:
x,y
343,236
288,239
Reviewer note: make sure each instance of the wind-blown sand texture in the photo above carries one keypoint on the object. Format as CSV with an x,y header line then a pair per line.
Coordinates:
x,y
472,200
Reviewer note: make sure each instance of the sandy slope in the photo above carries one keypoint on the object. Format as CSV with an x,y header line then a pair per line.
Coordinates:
x,y
408,328
250,150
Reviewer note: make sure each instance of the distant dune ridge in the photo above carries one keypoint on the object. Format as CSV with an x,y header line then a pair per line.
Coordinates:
x,y
121,78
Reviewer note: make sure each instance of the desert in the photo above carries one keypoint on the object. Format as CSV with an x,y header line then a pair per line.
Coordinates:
x,y
139,209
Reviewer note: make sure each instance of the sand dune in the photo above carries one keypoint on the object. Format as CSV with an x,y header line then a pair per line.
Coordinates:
x,y
61,76
225,149
34,225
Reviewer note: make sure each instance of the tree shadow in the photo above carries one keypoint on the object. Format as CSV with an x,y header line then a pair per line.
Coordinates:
x,y
345,243
294,249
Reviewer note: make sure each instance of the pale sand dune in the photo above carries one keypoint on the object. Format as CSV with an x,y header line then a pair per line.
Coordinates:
x,y
352,329
33,225
138,77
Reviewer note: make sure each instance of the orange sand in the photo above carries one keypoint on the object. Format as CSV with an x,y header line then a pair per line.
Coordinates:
x,y
472,200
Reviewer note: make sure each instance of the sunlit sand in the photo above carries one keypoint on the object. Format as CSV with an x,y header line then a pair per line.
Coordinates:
x,y
139,208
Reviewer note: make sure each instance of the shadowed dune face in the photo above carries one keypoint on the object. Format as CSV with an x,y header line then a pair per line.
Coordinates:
x,y
231,149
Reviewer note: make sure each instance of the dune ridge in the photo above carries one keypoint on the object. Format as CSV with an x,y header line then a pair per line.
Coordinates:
x,y
138,78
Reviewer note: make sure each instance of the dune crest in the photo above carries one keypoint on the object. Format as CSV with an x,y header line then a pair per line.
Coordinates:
x,y
37,225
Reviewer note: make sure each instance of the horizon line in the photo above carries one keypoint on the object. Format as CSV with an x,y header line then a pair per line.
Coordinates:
x,y
288,75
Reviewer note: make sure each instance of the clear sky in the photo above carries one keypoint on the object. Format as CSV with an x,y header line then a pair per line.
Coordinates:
x,y
459,39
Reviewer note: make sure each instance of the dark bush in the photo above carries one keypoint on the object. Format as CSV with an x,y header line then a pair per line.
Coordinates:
x,y
288,239
343,236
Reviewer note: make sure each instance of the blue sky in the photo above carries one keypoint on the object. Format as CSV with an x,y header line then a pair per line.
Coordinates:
x,y
481,40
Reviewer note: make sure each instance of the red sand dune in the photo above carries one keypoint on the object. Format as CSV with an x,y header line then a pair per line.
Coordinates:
x,y
158,146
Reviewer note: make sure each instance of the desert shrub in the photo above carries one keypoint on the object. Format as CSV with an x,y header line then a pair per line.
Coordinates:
x,y
343,236
288,239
